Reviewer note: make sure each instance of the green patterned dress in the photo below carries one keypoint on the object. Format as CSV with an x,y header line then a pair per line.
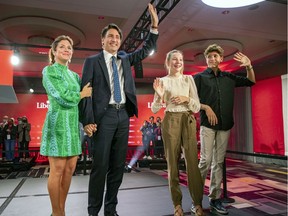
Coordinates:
x,y
60,133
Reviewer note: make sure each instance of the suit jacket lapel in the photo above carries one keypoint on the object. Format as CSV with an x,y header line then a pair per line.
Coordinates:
x,y
104,68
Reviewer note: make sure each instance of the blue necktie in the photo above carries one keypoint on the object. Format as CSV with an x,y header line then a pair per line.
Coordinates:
x,y
117,91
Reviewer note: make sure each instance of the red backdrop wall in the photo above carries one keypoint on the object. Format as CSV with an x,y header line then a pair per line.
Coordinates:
x,y
267,117
6,69
34,106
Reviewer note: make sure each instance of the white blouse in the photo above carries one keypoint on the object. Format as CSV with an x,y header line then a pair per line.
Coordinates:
x,y
183,85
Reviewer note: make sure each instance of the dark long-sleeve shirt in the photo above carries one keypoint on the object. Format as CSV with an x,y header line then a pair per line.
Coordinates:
x,y
218,93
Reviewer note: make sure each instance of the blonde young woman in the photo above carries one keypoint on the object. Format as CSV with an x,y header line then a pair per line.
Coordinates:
x,y
61,134
178,92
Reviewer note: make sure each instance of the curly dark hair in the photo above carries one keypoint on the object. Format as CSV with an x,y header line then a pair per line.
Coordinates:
x,y
214,48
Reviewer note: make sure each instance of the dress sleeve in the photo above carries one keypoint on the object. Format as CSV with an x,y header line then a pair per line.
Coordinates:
x,y
194,103
55,88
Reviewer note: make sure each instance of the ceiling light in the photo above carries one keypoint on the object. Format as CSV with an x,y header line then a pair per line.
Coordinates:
x,y
230,3
15,60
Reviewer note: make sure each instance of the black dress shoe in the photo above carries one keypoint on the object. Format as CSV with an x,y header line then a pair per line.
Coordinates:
x,y
127,169
112,214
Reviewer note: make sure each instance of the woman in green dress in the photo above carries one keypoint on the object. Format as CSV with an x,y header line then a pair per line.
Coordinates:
x,y
60,133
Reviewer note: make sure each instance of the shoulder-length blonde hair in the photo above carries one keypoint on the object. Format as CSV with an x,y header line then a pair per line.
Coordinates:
x,y
168,58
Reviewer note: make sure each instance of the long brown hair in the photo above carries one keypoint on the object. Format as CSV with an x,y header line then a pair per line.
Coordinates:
x,y
55,44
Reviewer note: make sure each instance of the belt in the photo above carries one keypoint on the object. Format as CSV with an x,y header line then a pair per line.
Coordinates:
x,y
117,106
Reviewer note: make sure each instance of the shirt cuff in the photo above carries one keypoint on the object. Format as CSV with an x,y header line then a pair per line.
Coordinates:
x,y
153,31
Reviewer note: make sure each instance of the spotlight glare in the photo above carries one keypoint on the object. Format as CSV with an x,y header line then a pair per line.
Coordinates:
x,y
230,3
152,52
15,60
31,90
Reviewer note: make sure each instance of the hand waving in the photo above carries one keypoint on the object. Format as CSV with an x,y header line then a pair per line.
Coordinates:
x,y
153,14
243,59
158,87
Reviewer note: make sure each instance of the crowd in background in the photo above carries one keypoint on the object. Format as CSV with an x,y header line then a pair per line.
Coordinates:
x,y
14,134
152,138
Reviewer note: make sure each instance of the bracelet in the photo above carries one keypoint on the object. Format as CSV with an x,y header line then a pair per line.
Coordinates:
x,y
154,27
249,68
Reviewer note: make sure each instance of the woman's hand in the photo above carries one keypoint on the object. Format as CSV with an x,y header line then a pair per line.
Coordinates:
x,y
159,88
179,99
86,91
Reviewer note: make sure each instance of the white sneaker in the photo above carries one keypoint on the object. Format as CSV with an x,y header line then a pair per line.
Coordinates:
x,y
145,157
149,157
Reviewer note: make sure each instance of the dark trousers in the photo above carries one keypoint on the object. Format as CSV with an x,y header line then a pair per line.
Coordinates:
x,y
146,145
159,148
24,146
3,147
87,142
109,155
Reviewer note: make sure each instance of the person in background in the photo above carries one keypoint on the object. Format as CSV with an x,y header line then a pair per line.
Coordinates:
x,y
146,137
2,143
178,92
113,103
158,149
86,143
158,119
151,138
10,136
216,92
24,128
60,134
140,149
19,120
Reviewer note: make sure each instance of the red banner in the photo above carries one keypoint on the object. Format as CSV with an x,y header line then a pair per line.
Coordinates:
x,y
267,117
34,106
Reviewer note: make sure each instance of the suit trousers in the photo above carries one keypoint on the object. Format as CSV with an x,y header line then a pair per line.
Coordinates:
x,y
109,155
213,150
179,134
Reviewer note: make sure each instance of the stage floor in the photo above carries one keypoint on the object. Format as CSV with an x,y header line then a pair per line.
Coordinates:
x,y
146,193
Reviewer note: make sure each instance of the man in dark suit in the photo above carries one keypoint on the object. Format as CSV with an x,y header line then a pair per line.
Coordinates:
x,y
105,116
